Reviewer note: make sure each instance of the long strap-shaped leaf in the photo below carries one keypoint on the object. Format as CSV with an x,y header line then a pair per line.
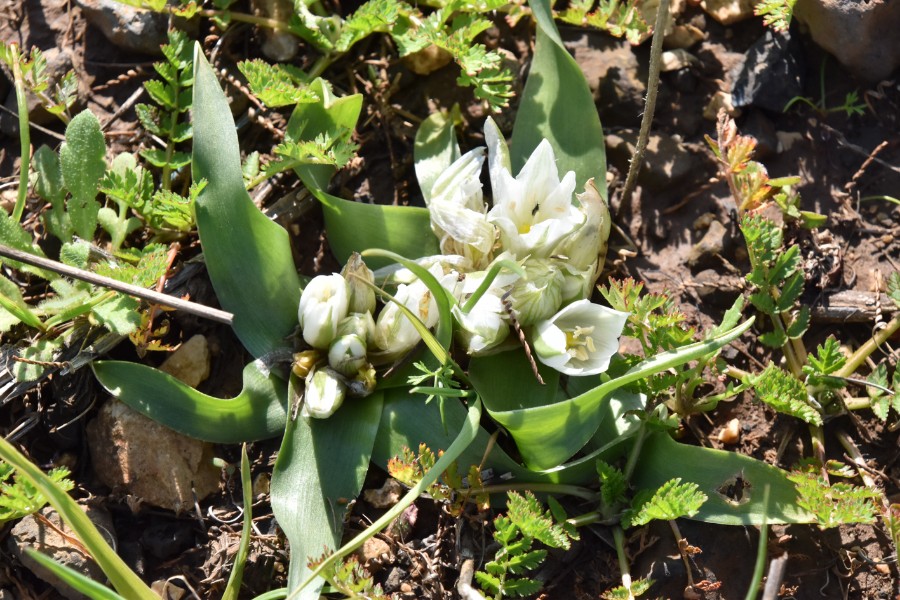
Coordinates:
x,y
126,582
257,413
320,468
463,439
247,255
549,434
558,105
662,459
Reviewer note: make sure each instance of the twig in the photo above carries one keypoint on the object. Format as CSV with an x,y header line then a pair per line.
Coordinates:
x,y
126,288
662,14
774,577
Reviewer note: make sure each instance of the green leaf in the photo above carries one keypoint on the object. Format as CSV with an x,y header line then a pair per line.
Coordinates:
x,y
435,150
125,581
49,182
835,504
257,413
355,226
120,314
320,468
799,324
785,393
790,292
73,578
557,105
247,255
663,459
83,163
276,85
547,432
671,501
233,588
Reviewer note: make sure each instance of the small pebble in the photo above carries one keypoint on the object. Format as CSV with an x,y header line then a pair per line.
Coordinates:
x,y
704,221
731,433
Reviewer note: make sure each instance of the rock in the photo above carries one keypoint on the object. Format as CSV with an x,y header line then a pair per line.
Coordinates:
x,y
683,36
731,433
190,363
374,554
613,75
278,46
141,31
727,12
720,100
386,496
666,161
148,460
771,74
861,34
717,290
710,247
675,60
34,533
427,60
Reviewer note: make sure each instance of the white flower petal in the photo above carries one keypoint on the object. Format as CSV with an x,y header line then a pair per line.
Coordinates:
x,y
590,338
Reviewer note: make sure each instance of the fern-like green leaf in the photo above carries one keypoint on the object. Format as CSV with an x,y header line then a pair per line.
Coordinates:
x,y
277,85
786,394
836,504
776,14
19,498
613,484
828,359
673,500
526,512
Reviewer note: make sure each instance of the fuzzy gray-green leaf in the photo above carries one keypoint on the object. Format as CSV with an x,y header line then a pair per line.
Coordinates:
x,y
82,158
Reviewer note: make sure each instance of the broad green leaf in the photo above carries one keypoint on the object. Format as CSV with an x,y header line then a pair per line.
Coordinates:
x,y
120,314
714,471
248,256
73,578
123,579
257,413
354,227
547,432
408,421
557,105
434,151
82,158
463,439
320,469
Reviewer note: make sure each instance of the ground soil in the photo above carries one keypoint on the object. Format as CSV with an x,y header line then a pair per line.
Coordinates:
x,y
658,232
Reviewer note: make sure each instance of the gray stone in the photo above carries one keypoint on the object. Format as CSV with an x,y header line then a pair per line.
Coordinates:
x,y
710,247
190,363
158,465
138,30
34,533
666,160
861,34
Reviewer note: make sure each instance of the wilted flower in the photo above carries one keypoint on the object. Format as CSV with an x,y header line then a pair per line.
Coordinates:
x,y
580,339
583,249
361,297
324,394
323,303
533,210
457,210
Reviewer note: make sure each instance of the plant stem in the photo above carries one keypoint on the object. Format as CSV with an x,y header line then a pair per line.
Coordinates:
x,y
549,488
863,352
619,539
760,564
682,550
24,135
662,15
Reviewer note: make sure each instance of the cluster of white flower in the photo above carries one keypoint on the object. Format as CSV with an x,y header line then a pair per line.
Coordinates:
x,y
533,222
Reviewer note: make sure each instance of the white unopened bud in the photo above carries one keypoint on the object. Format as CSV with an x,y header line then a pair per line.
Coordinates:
x,y
324,394
347,354
323,304
538,295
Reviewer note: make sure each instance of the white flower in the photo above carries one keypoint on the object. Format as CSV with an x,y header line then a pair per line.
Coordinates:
x,y
483,327
323,303
538,295
324,394
458,213
580,339
583,249
394,332
361,296
533,210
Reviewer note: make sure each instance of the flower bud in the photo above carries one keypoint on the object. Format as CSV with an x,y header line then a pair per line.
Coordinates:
x,y
538,295
586,247
361,296
304,362
483,327
358,324
324,394
347,354
323,304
